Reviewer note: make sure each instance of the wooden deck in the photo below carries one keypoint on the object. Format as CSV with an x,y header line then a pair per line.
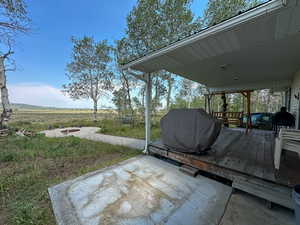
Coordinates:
x,y
236,154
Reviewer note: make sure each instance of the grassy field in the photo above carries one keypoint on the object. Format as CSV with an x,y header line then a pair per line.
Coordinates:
x,y
42,119
116,128
38,120
28,166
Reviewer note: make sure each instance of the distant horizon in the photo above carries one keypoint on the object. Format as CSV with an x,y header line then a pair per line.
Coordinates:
x,y
42,55
53,107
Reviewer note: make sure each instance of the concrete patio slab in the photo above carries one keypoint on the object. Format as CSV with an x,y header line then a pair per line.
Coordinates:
x,y
90,133
142,190
245,209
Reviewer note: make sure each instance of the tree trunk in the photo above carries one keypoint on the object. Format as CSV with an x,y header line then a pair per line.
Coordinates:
x,y
169,93
156,97
95,109
128,94
143,98
7,111
189,102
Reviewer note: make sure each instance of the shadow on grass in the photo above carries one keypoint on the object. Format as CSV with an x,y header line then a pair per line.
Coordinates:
x,y
28,166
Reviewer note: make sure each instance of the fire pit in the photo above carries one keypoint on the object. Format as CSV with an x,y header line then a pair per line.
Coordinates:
x,y
67,131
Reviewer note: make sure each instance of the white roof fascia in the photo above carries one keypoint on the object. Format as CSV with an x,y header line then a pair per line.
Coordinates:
x,y
226,25
276,85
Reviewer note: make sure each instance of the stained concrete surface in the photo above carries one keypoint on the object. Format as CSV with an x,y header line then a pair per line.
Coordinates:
x,y
245,209
90,133
143,190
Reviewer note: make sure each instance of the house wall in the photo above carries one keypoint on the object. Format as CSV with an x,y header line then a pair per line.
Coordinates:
x,y
295,101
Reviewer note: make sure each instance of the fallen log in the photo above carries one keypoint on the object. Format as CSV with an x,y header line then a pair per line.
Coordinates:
x,y
4,133
67,131
25,133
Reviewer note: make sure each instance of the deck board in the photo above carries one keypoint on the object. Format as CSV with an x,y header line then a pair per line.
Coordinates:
x,y
269,170
260,159
250,155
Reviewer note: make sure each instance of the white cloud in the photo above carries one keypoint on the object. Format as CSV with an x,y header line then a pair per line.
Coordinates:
x,y
43,95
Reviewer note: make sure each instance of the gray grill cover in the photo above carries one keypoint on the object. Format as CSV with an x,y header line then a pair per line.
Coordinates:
x,y
189,130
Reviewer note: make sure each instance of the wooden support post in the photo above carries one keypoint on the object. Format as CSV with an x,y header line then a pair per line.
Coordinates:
x,y
205,102
249,121
243,104
148,84
224,110
297,122
209,103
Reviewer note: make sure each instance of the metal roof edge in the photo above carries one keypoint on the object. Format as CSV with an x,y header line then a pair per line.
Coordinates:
x,y
227,24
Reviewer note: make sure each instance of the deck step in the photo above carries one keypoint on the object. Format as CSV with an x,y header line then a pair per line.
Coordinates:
x,y
189,170
266,190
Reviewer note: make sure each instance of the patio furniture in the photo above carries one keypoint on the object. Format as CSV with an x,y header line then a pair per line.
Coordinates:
x,y
229,118
288,139
234,118
283,119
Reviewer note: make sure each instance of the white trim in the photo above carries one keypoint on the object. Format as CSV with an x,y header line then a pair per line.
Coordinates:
x,y
275,85
226,25
148,112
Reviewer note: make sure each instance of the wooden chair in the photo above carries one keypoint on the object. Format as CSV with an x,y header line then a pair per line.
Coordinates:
x,y
288,139
126,119
229,118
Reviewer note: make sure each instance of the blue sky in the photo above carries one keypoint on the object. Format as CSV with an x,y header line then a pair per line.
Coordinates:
x,y
42,55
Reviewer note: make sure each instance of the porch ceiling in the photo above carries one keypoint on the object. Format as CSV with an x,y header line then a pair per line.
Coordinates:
x,y
257,49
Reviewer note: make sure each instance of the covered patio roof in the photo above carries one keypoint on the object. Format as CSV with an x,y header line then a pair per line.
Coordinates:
x,y
254,50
